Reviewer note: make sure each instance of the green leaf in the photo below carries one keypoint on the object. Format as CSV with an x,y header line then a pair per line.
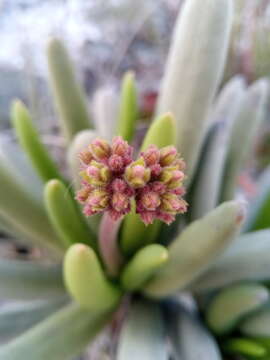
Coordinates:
x,y
232,304
190,338
144,264
61,336
257,324
22,209
193,72
128,112
206,190
246,259
194,250
246,347
134,233
259,210
243,136
31,143
86,281
69,98
17,317
21,280
143,334
65,215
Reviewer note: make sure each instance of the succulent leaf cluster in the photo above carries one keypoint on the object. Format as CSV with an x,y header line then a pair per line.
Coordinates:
x,y
212,260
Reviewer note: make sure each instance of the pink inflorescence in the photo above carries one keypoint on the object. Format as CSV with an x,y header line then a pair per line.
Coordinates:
x,y
111,179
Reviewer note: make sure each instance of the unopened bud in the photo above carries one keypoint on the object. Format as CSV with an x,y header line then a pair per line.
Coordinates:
x,y
100,149
136,174
168,155
98,174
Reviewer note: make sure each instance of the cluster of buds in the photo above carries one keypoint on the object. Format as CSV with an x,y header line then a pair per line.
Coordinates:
x,y
111,179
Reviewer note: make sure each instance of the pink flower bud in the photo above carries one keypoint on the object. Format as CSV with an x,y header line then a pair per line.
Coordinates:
x,y
120,202
137,175
98,174
165,217
172,177
121,148
151,155
83,193
98,200
85,157
171,203
168,155
150,201
148,217
116,163
100,149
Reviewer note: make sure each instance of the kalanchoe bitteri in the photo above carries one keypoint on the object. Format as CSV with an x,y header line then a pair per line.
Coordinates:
x,y
111,179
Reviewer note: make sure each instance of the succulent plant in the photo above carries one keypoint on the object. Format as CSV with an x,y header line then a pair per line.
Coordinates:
x,y
126,260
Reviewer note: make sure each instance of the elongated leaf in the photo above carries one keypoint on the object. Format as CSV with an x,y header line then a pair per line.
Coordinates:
x,y
60,337
68,95
134,233
193,251
243,134
207,185
194,70
17,317
259,210
233,303
105,107
24,211
20,280
128,112
31,143
65,215
246,259
143,336
144,264
246,347
85,280
191,340
257,324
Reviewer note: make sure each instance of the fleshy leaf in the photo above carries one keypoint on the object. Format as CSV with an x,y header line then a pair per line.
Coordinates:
x,y
245,127
24,211
246,259
206,190
143,335
17,317
69,98
257,324
197,68
65,215
31,143
193,251
128,112
86,282
230,305
21,280
61,336
144,264
245,347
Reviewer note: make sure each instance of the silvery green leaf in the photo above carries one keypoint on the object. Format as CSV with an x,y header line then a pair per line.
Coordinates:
x,y
206,190
257,324
61,336
191,339
69,98
105,107
232,304
246,259
244,132
143,334
17,317
195,63
196,248
21,280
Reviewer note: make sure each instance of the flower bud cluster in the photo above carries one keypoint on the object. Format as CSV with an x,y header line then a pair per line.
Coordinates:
x,y
111,179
